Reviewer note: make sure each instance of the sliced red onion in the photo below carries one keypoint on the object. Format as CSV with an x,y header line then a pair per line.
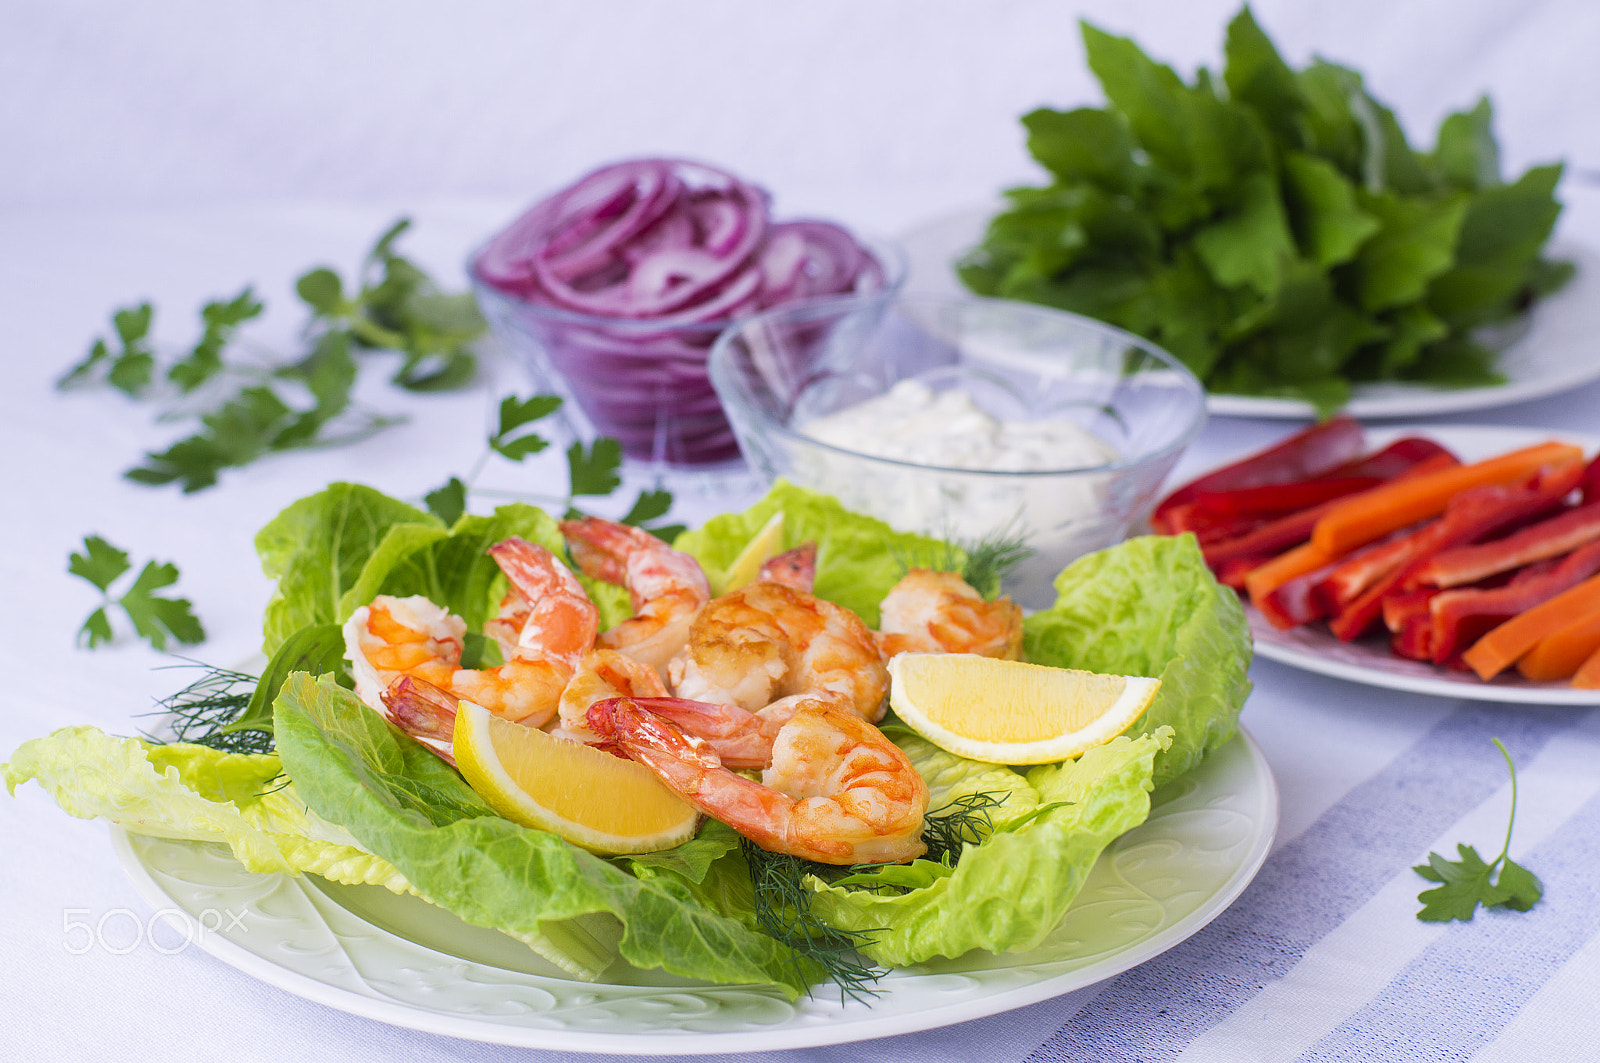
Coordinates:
x,y
644,262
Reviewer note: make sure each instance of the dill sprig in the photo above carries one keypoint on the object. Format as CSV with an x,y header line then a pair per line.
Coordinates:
x,y
207,710
991,558
964,821
783,911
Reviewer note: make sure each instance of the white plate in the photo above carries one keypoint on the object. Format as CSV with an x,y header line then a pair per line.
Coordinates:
x,y
403,961
1552,354
1314,648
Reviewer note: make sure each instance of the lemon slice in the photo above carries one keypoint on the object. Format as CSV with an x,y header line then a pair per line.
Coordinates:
x,y
592,799
1009,712
767,543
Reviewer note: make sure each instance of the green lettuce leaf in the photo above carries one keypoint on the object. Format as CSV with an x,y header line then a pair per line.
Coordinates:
x,y
195,793
1184,629
316,550
404,804
1010,892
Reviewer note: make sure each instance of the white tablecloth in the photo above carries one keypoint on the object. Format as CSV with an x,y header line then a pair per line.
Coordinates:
x,y
148,166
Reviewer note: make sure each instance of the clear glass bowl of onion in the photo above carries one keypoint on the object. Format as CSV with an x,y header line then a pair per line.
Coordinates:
x,y
612,291
972,420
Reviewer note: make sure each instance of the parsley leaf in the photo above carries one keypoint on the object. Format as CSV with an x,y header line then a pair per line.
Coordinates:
x,y
449,502
516,413
1468,882
307,401
100,563
594,469
155,617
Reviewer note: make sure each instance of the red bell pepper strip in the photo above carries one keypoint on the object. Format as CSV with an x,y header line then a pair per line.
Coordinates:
x,y
1355,572
1233,571
1292,602
1472,515
1591,482
1208,525
1280,534
1396,458
1465,615
1558,535
1402,607
1308,453
1413,639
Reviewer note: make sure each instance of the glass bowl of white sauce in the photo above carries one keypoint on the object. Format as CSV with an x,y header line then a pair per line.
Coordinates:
x,y
968,419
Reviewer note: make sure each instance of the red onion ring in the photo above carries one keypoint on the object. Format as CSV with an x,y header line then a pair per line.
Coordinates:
x,y
626,277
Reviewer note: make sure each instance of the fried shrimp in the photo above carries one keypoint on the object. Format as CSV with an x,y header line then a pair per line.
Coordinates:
x,y
768,641
667,587
835,790
939,612
394,638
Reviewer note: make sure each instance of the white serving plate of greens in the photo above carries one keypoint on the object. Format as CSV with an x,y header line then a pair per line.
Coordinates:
x,y
400,960
1548,354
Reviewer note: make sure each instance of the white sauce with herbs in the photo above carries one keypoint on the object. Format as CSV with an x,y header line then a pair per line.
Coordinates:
x,y
1058,514
912,422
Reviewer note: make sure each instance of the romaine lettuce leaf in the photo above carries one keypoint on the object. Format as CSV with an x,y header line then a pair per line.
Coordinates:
x,y
198,794
403,803
1185,629
316,549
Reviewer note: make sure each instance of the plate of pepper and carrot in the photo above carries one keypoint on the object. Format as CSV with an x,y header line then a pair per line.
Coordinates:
x,y
1454,560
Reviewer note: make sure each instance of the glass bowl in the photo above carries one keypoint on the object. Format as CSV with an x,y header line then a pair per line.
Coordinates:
x,y
643,382
1025,367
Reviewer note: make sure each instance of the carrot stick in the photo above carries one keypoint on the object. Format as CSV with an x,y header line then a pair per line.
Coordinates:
x,y
1385,509
1286,566
1500,648
1559,654
1587,677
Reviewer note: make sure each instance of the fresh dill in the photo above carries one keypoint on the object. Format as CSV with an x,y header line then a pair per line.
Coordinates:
x,y
964,821
208,710
817,950
991,559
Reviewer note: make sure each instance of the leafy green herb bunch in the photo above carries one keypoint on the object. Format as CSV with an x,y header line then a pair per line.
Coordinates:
x,y
1273,228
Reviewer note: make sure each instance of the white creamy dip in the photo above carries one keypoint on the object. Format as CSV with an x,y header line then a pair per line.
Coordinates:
x,y
912,422
1058,516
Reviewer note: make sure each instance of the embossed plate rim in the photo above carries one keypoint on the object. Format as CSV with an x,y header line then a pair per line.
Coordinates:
x,y
826,1021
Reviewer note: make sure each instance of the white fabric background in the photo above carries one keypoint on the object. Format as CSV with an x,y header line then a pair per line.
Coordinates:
x,y
176,150
890,109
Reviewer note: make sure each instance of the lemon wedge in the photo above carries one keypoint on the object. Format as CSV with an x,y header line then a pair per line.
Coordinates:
x,y
767,543
1010,712
592,799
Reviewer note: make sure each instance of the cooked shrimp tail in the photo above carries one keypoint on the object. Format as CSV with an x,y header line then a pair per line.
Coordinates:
x,y
795,568
837,790
424,712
